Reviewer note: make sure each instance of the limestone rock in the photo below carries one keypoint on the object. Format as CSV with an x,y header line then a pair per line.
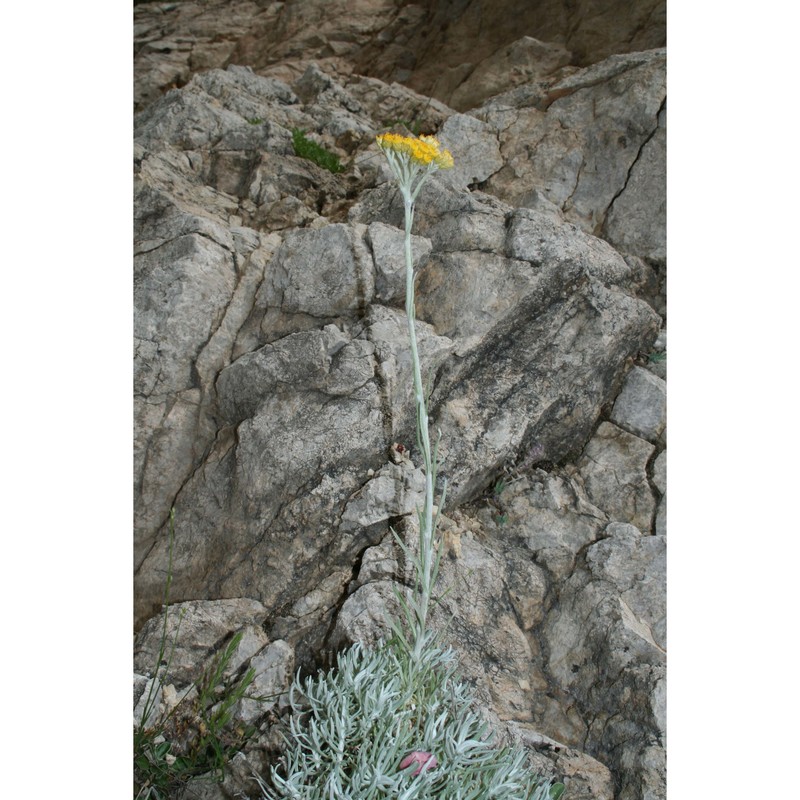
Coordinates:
x,y
396,104
487,631
478,149
454,39
274,671
586,141
657,360
455,53
635,220
523,61
614,470
194,630
396,490
332,107
611,613
584,778
147,700
530,637
660,472
552,514
504,403
274,403
641,407
387,245
323,273
660,524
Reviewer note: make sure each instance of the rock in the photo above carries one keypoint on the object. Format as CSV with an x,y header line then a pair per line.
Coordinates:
x,y
387,245
253,640
196,288
525,643
274,671
635,220
235,783
657,360
552,514
562,285
395,104
274,404
332,107
660,524
444,51
504,404
641,406
614,470
322,273
659,474
365,614
659,479
584,142
606,649
493,649
194,630
396,490
456,55
307,359
147,700
388,331
478,149
523,61
584,778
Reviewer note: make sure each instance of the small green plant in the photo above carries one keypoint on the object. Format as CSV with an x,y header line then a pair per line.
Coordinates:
x,y
306,148
656,357
501,519
255,121
197,737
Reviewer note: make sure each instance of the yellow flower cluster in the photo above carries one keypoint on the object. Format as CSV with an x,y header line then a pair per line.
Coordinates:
x,y
425,150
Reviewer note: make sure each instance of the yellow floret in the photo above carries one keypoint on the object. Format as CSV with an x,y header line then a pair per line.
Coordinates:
x,y
425,150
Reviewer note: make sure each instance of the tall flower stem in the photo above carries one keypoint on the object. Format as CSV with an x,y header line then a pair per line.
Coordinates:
x,y
412,161
423,436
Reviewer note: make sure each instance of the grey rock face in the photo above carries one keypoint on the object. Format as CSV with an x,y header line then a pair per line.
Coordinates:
x,y
614,470
323,273
390,267
457,55
641,407
590,141
659,478
274,671
195,634
478,147
611,612
274,408
584,777
635,218
555,518
196,628
523,61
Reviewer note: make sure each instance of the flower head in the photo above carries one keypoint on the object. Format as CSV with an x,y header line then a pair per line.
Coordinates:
x,y
424,150
424,760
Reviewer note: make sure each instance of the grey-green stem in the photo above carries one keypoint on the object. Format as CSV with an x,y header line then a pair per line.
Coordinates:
x,y
426,521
